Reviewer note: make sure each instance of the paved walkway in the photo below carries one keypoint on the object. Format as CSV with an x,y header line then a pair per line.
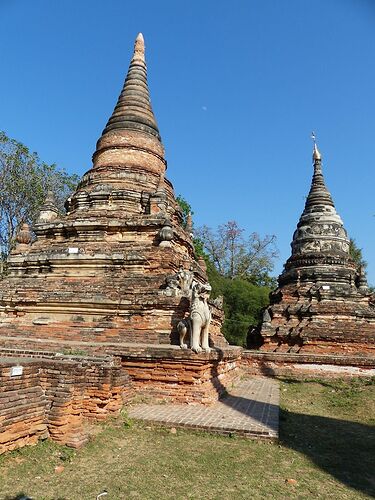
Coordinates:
x,y
251,409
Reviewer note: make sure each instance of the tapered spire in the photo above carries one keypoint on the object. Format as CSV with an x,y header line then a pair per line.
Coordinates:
x,y
129,161
320,228
133,110
319,194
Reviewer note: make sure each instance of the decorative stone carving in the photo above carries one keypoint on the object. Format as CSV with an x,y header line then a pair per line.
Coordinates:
x,y
24,236
218,302
166,234
194,329
49,211
180,283
158,200
197,325
362,281
23,239
266,317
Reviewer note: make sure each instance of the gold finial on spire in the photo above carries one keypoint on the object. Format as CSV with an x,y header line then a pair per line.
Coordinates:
x,y
316,153
139,48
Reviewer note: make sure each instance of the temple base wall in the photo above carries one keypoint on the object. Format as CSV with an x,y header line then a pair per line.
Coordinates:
x,y
42,395
306,365
46,394
181,376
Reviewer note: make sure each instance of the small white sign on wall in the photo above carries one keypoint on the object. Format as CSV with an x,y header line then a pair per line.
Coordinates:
x,y
326,287
16,370
73,250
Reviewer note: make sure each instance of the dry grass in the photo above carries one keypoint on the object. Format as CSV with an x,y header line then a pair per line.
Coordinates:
x,y
327,445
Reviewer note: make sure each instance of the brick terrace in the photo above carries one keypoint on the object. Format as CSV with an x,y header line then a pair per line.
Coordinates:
x,y
250,410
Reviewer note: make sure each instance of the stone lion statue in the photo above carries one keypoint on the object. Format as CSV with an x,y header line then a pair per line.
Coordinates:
x,y
197,324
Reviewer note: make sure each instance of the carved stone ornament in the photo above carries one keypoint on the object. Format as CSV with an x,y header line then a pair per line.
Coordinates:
x,y
362,281
266,316
218,302
166,234
24,236
196,326
194,329
48,211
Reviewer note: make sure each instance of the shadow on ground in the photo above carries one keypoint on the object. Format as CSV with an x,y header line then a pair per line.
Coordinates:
x,y
343,449
23,496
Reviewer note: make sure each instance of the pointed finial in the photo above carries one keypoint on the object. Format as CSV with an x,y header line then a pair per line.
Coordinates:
x,y
139,48
189,223
316,154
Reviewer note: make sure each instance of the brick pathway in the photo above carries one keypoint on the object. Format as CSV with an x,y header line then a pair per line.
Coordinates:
x,y
251,409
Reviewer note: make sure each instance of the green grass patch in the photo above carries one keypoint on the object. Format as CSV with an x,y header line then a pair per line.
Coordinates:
x,y
327,449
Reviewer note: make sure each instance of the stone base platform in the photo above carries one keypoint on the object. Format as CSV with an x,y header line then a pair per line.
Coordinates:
x,y
299,365
172,374
160,371
249,410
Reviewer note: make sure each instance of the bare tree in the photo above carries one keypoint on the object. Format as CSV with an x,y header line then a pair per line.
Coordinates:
x,y
236,256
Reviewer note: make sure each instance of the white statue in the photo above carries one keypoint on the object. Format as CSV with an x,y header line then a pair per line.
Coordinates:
x,y
198,323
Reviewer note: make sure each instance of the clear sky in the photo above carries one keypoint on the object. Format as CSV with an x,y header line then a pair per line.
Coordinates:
x,y
237,87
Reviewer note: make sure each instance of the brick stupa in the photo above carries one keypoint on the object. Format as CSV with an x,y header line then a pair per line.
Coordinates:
x,y
104,276
323,304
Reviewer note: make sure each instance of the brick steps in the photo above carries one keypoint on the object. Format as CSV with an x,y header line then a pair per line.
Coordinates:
x,y
250,410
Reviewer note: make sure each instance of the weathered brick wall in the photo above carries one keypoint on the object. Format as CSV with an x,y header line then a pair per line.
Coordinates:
x,y
306,365
54,394
182,376
22,406
310,319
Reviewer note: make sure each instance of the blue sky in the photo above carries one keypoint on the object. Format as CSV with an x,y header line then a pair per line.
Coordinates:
x,y
237,87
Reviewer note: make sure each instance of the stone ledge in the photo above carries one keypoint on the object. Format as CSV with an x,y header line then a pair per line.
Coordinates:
x,y
367,361
161,351
8,355
105,349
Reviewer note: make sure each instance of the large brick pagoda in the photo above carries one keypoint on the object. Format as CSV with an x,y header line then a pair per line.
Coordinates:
x,y
114,274
322,304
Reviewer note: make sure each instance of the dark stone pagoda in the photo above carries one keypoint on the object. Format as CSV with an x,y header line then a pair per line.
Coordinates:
x,y
322,303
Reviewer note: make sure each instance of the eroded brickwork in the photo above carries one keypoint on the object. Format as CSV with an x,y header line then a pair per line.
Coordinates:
x,y
182,376
279,364
52,396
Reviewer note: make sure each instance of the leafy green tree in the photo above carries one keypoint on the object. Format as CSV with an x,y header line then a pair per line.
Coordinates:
x,y
242,306
25,180
185,207
356,254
